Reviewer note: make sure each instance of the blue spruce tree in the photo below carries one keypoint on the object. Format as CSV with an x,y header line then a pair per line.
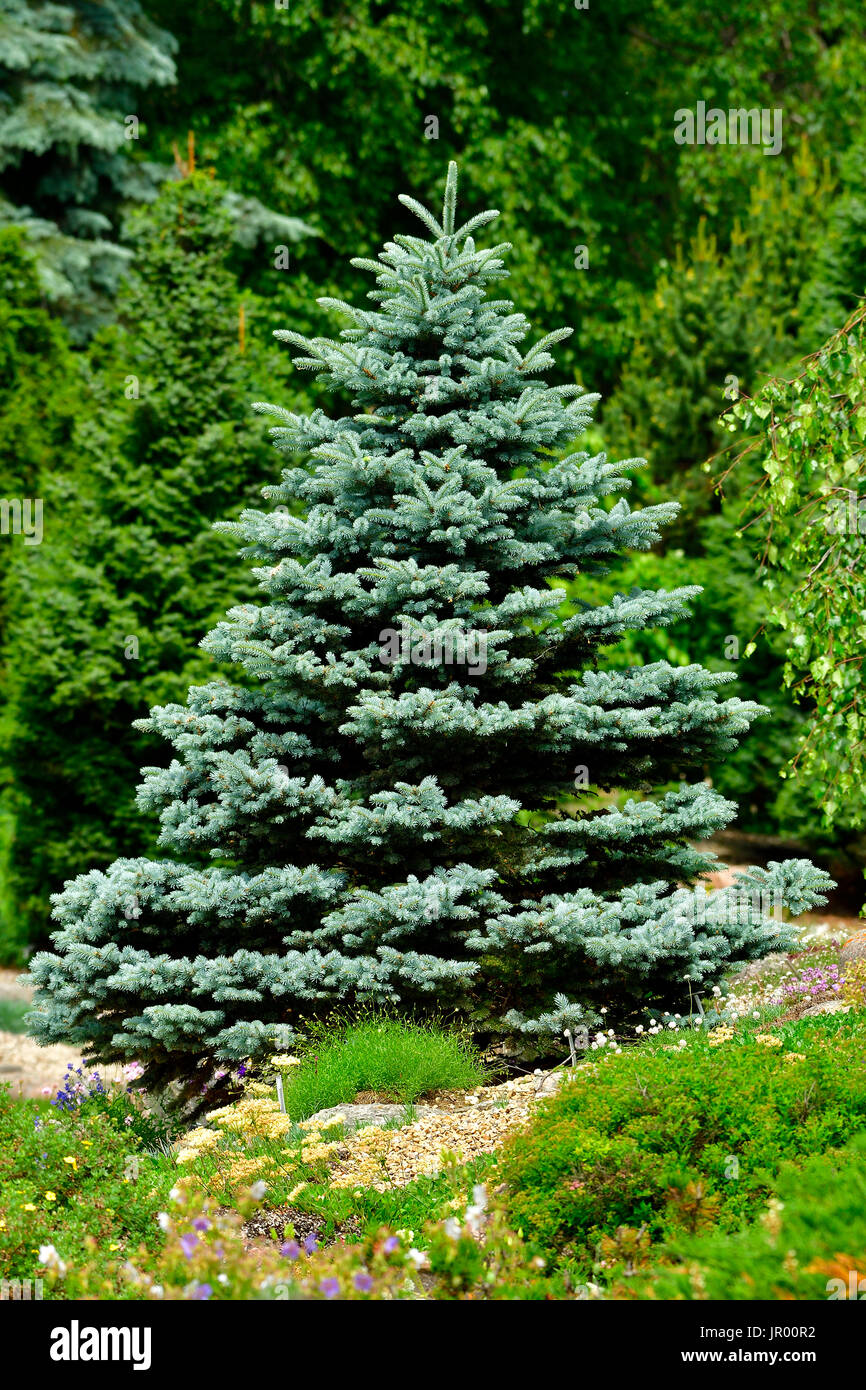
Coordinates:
x,y
381,806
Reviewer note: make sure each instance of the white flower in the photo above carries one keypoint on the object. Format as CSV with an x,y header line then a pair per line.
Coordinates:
x,y
48,1256
672,1024
174,1194
258,1190
639,1028
164,1220
452,1228
156,1291
418,1258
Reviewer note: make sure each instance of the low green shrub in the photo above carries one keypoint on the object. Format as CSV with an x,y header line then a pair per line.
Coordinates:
x,y
680,1137
75,1187
394,1058
809,1244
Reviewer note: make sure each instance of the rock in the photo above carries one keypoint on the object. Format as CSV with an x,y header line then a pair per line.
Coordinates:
x,y
356,1116
854,948
830,1006
550,1081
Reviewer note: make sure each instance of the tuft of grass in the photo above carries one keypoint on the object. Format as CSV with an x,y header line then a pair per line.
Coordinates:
x,y
392,1057
12,1015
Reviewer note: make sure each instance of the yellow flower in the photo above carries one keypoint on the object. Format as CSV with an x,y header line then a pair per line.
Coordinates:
x,y
296,1191
767,1040
51,1196
29,1206
87,1143
283,1060
793,1056
114,1246
71,1160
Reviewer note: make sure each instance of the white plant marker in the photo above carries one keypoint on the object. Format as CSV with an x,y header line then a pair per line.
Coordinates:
x,y
568,1034
281,1095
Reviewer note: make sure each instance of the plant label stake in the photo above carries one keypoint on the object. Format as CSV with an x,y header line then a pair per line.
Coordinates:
x,y
281,1097
568,1034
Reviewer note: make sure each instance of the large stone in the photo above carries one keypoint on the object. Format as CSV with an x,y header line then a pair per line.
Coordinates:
x,y
356,1116
551,1081
830,1006
854,948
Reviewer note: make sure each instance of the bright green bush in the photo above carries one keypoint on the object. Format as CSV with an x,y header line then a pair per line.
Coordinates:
x,y
389,1056
812,1233
675,1139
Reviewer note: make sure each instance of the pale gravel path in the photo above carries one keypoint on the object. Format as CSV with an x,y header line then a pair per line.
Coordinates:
x,y
28,1066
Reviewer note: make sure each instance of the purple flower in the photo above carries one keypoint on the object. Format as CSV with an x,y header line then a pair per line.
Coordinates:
x,y
291,1249
330,1287
201,1223
188,1243
311,1245
242,1071
363,1281
202,1291
391,1244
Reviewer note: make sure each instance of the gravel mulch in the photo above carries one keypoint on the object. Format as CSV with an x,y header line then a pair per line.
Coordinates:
x,y
385,1158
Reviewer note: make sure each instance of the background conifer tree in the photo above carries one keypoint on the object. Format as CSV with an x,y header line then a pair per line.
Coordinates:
x,y
40,400
130,564
339,828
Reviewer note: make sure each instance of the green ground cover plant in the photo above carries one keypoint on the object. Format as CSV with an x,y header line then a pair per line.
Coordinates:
x,y
810,1243
67,1180
682,1134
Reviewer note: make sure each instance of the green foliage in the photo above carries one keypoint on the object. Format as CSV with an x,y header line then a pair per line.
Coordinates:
x,y
674,1138
397,1059
72,75
76,1182
39,381
809,1244
562,120
40,401
732,624
349,824
130,568
717,321
800,441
